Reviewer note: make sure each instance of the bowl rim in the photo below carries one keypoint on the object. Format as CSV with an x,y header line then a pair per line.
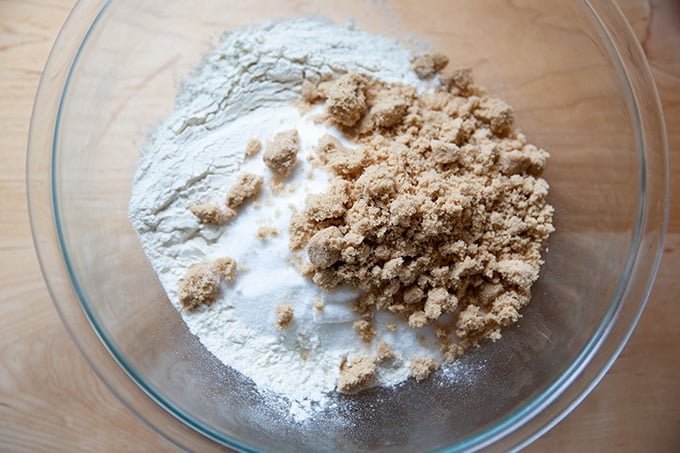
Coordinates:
x,y
516,430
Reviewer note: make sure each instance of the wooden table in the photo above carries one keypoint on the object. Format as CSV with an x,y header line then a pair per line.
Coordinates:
x,y
50,397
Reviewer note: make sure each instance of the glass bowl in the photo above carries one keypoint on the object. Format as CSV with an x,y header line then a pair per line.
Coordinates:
x,y
581,89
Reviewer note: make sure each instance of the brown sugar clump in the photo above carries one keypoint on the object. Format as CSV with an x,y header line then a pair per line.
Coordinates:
x,y
384,353
328,148
505,308
324,248
529,159
253,147
346,101
266,232
284,316
211,213
281,153
428,65
364,329
459,80
225,268
248,185
356,375
422,367
439,301
472,320
413,295
389,110
309,91
437,217
200,286
497,114
417,319
327,206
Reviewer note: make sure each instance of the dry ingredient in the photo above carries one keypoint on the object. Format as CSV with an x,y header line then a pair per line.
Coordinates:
x,y
281,153
284,315
437,216
394,219
247,186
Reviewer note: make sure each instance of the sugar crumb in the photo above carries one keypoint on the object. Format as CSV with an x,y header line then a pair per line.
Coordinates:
x,y
284,316
389,109
364,329
211,213
225,268
346,101
247,186
200,286
459,80
497,113
324,248
329,147
266,232
253,147
417,319
422,367
384,353
281,153
426,66
439,301
356,375
309,91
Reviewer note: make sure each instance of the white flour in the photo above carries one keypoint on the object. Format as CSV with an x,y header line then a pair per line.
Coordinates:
x,y
244,90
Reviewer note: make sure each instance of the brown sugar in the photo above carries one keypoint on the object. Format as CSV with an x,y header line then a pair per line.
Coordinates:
x,y
284,316
439,301
281,153
417,319
324,248
266,232
247,186
309,91
225,268
200,286
384,353
497,114
438,211
253,147
211,213
346,101
364,329
426,66
459,81
329,148
422,367
356,375
389,109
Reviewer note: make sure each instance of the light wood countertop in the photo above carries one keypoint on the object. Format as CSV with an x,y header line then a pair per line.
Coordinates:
x,y
51,400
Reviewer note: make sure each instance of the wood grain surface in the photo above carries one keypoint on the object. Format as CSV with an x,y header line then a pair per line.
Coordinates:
x,y
50,400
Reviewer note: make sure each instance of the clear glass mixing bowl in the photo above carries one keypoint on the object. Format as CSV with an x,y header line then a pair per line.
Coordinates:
x,y
581,89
